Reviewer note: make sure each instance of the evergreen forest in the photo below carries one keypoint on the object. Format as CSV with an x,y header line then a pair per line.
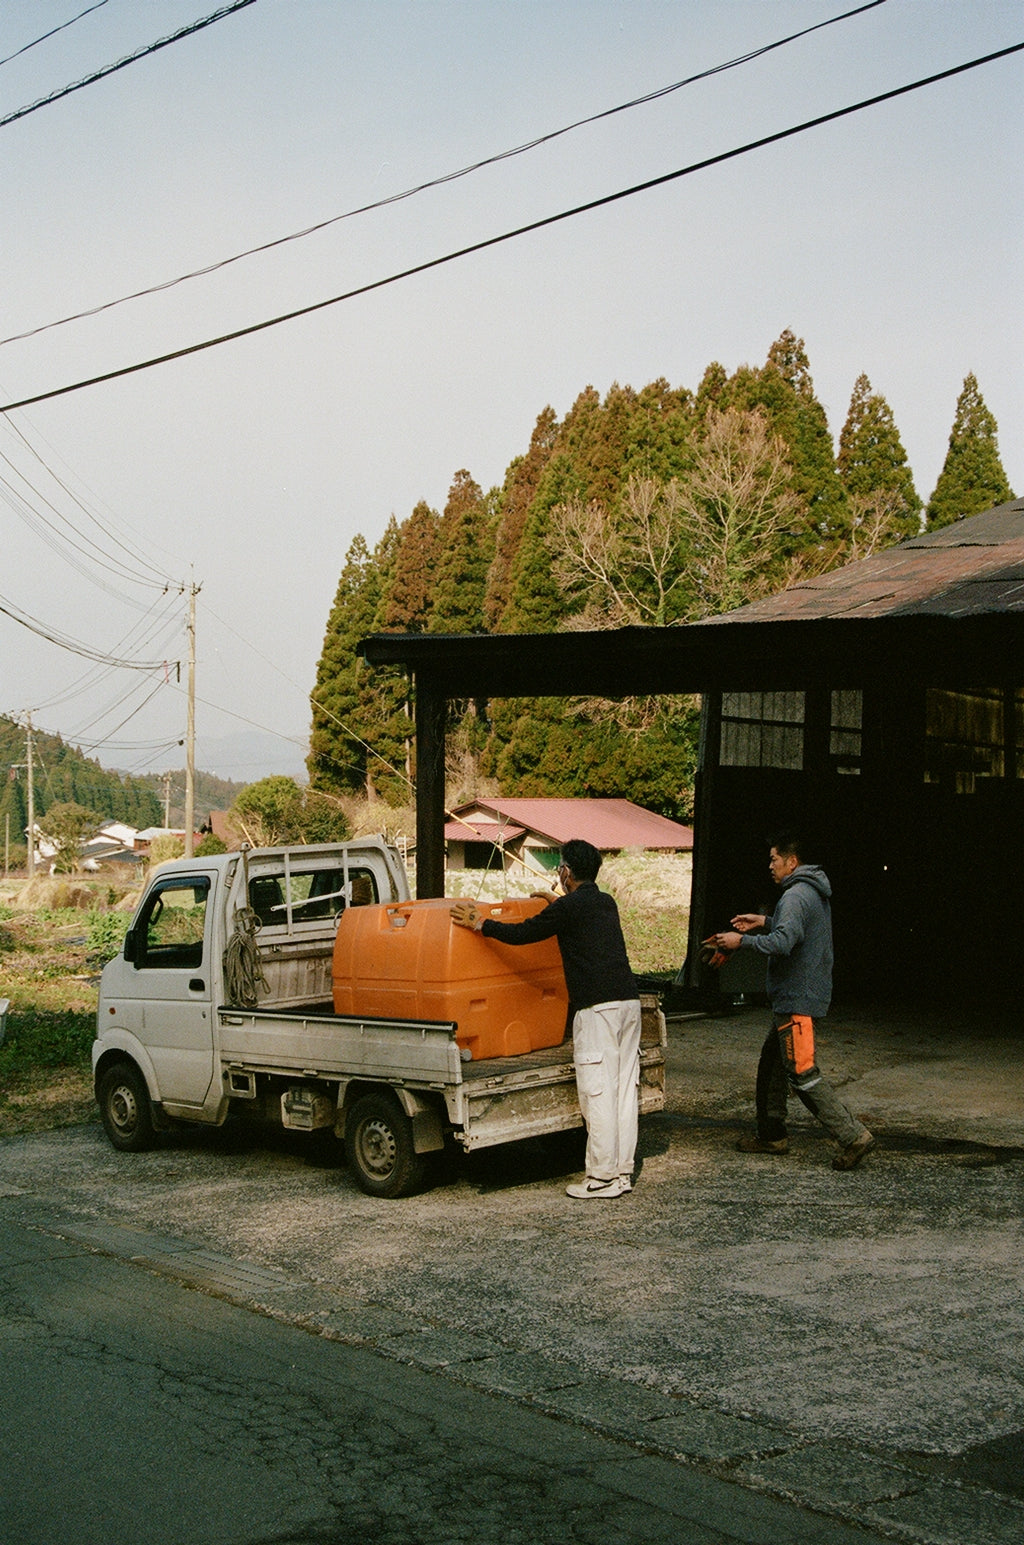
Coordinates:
x,y
63,775
659,506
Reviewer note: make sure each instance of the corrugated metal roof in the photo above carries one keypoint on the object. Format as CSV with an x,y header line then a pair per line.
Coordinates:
x,y
610,824
973,566
475,829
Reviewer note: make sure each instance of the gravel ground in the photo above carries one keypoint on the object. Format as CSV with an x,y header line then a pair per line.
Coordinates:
x,y
882,1307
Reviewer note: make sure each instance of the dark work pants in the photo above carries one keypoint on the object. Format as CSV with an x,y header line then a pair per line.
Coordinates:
x,y
781,1070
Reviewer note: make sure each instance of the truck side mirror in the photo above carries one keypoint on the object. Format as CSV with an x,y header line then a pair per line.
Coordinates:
x,y
130,945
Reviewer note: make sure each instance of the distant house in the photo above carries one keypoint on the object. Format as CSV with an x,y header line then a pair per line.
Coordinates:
x,y
499,833
114,843
144,840
220,825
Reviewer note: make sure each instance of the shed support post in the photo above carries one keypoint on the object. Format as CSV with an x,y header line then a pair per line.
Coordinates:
x,y
431,706
704,816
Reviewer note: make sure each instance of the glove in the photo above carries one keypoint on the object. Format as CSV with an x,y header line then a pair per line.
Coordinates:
x,y
712,956
466,914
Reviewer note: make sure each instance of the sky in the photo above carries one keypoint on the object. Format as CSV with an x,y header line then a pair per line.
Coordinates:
x,y
890,240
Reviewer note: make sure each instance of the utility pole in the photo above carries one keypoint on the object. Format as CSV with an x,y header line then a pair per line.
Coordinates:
x,y
167,799
31,855
190,732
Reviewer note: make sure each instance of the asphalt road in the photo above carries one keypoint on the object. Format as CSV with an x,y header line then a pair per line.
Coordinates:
x,y
134,1408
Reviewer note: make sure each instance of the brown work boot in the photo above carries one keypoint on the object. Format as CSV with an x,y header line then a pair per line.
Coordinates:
x,y
850,1157
763,1145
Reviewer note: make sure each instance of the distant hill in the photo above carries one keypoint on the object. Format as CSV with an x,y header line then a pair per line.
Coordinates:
x,y
62,773
211,793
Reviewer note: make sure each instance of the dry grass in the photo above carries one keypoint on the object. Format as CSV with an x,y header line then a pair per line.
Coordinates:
x,y
48,974
652,891
47,1099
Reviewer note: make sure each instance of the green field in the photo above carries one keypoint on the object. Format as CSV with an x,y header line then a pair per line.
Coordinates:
x,y
50,957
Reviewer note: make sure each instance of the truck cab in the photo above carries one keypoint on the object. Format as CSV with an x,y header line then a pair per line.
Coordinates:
x,y
157,1018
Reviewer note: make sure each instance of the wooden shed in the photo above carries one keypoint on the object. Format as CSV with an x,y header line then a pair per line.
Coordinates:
x,y
880,708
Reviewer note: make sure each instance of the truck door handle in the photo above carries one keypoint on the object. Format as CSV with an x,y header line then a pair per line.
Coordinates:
x,y
197,984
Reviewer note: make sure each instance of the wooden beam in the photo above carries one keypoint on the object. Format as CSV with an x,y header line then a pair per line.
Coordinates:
x,y
431,713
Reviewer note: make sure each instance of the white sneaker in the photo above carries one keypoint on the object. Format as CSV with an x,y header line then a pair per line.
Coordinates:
x,y
586,1189
626,1183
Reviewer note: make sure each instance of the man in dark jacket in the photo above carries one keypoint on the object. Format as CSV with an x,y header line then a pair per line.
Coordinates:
x,y
797,939
604,1006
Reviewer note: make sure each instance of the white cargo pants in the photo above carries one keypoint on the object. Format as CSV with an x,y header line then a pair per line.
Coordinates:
x,y
606,1051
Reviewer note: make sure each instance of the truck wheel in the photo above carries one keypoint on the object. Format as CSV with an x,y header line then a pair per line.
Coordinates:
x,y
125,1108
379,1147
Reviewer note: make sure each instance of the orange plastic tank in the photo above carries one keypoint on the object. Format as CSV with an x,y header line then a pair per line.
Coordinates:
x,y
408,960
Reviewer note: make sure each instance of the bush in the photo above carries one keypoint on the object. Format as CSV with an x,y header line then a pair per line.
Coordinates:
x,y
165,848
106,933
46,894
41,1039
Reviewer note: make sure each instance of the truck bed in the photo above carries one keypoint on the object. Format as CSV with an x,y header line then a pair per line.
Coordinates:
x,y
319,1044
503,1099
494,1100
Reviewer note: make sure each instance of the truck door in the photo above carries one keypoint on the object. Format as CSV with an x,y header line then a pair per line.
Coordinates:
x,y
171,949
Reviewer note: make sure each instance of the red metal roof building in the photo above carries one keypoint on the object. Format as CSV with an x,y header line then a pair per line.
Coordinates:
x,y
535,829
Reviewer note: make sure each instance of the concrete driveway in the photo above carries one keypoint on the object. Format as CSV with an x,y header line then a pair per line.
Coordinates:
x,y
851,1342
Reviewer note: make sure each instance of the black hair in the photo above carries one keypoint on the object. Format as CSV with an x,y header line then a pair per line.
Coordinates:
x,y
789,843
581,858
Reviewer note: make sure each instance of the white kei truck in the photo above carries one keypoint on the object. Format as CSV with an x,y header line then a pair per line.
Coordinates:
x,y
180,1040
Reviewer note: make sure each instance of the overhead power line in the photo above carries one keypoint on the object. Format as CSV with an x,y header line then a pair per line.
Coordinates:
x,y
111,69
123,538
123,543
522,230
53,32
96,744
64,641
447,177
88,560
154,630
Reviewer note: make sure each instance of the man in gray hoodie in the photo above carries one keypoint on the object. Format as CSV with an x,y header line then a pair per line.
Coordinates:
x,y
797,939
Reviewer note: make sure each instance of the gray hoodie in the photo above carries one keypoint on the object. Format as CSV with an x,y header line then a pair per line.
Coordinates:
x,y
798,943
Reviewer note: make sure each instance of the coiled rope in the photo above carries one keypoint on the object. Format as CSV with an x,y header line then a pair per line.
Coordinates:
x,y
243,969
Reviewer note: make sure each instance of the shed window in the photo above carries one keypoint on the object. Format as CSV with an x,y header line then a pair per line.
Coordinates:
x,y
967,739
844,739
763,729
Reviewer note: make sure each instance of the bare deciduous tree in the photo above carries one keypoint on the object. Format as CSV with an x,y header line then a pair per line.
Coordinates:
x,y
677,551
876,521
626,569
734,506
701,544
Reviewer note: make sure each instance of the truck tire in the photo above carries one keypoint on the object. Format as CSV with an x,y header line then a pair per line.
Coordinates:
x,y
379,1147
125,1108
